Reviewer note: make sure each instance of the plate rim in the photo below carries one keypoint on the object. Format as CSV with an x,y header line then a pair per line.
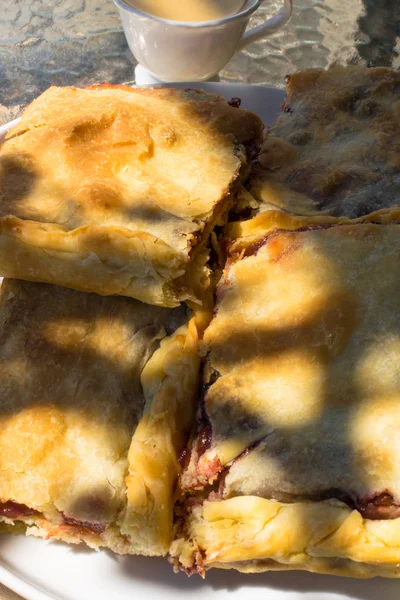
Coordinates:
x,y
7,126
26,589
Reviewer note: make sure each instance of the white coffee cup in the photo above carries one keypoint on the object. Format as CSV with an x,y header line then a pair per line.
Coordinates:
x,y
179,51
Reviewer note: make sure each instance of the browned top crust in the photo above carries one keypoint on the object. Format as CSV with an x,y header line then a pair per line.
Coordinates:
x,y
115,190
336,148
96,397
302,394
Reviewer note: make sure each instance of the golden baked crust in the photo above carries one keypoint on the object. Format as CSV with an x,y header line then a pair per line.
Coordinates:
x,y
253,534
336,148
96,397
240,234
297,445
115,190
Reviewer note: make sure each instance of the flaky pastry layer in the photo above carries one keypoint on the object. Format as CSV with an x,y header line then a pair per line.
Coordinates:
x,y
253,534
242,234
115,190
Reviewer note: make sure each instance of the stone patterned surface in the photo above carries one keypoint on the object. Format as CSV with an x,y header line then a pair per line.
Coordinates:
x,y
81,41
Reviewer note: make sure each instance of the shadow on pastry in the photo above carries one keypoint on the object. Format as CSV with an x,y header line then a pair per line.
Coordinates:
x,y
17,174
303,418
334,150
71,398
128,185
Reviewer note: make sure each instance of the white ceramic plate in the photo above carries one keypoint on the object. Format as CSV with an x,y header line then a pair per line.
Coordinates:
x,y
40,570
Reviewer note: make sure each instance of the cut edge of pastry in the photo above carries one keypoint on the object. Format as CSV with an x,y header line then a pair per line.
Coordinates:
x,y
117,258
159,440
124,260
266,223
16,517
253,534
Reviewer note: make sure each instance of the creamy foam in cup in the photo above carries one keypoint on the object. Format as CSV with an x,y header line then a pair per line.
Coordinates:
x,y
188,10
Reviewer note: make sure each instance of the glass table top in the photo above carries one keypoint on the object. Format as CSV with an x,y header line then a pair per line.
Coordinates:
x,y
81,42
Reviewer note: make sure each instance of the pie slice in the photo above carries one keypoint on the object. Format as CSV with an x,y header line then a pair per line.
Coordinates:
x,y
115,190
296,460
96,398
336,148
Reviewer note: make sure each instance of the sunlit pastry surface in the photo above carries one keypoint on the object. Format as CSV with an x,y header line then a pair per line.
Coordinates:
x,y
96,398
115,190
301,407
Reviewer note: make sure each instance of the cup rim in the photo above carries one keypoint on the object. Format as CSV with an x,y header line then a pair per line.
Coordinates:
x,y
197,24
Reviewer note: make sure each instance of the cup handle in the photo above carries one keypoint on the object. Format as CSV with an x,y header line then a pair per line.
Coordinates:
x,y
270,26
